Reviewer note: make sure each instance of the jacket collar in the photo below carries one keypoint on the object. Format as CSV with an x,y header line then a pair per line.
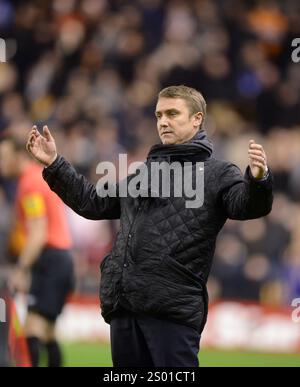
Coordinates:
x,y
199,148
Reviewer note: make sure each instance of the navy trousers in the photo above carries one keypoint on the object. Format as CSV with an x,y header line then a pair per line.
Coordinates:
x,y
142,341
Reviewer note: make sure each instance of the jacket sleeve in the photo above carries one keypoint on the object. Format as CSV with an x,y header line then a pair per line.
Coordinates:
x,y
78,193
245,197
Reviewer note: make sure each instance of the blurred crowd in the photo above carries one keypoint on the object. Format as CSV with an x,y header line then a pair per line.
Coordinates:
x,y
91,71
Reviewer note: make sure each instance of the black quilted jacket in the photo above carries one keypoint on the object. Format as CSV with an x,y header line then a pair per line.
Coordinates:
x,y
163,251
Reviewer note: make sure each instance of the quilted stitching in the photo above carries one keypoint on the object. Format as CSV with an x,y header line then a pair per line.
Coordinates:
x,y
163,228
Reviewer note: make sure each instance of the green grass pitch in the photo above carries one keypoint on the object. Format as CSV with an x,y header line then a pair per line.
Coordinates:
x,y
98,355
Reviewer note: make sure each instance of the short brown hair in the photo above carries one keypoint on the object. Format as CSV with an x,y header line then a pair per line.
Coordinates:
x,y
195,100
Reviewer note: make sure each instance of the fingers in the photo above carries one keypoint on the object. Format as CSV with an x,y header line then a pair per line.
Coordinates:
x,y
256,150
253,144
257,156
33,135
47,133
30,142
259,159
32,132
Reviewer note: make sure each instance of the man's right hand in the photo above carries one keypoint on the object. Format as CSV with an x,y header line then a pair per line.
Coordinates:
x,y
42,148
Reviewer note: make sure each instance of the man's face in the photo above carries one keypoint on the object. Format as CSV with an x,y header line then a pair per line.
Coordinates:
x,y
8,159
175,124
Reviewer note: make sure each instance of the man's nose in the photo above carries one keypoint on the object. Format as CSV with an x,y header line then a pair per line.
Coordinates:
x,y
164,122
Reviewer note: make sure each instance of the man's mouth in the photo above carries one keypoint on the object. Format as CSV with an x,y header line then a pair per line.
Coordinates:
x,y
166,132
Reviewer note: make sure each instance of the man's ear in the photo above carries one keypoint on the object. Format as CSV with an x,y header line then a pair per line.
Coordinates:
x,y
198,118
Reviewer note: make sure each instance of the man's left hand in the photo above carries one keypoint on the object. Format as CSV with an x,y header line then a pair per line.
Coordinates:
x,y
257,160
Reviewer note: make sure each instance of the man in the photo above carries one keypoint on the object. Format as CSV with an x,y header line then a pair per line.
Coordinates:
x,y
153,284
44,253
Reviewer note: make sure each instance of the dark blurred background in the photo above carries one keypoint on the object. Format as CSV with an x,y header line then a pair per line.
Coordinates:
x,y
91,70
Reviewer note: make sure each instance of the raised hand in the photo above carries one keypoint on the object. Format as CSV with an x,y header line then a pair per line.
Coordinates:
x,y
42,148
257,160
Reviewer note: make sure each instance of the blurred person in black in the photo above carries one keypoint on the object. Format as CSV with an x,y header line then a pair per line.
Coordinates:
x,y
153,283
